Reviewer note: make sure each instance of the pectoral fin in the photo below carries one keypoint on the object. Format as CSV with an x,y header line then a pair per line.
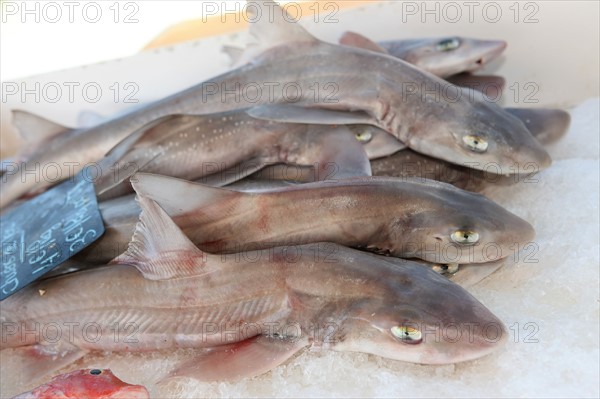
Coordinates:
x,y
471,274
288,113
248,358
337,154
233,174
490,85
283,172
251,185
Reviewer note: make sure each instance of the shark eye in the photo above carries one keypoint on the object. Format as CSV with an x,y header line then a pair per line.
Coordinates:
x,y
450,268
475,143
448,44
407,334
364,137
95,371
465,237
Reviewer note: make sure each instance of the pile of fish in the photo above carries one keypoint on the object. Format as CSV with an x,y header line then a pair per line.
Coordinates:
x,y
253,225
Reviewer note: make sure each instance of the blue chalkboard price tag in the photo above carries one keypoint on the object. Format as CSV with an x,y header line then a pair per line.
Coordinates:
x,y
41,233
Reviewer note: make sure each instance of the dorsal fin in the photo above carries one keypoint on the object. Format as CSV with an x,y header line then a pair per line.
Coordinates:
x,y
354,39
271,26
88,118
234,53
159,249
177,196
35,129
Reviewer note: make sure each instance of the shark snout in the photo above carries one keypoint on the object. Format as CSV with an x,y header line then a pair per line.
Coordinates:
x,y
490,49
531,158
526,151
476,336
496,47
544,160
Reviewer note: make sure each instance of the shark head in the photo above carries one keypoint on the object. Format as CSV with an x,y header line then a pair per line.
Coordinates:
x,y
473,132
453,226
420,317
451,55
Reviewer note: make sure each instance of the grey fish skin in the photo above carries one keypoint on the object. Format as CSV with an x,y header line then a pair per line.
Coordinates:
x,y
410,164
403,218
469,126
546,125
440,128
490,85
442,56
217,149
121,215
178,290
446,56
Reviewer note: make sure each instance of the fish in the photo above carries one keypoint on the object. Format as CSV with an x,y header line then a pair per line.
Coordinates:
x,y
410,164
394,98
442,56
405,218
547,125
87,383
437,54
121,215
218,149
252,310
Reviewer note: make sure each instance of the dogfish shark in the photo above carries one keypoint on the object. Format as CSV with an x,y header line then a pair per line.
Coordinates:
x,y
397,97
250,312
